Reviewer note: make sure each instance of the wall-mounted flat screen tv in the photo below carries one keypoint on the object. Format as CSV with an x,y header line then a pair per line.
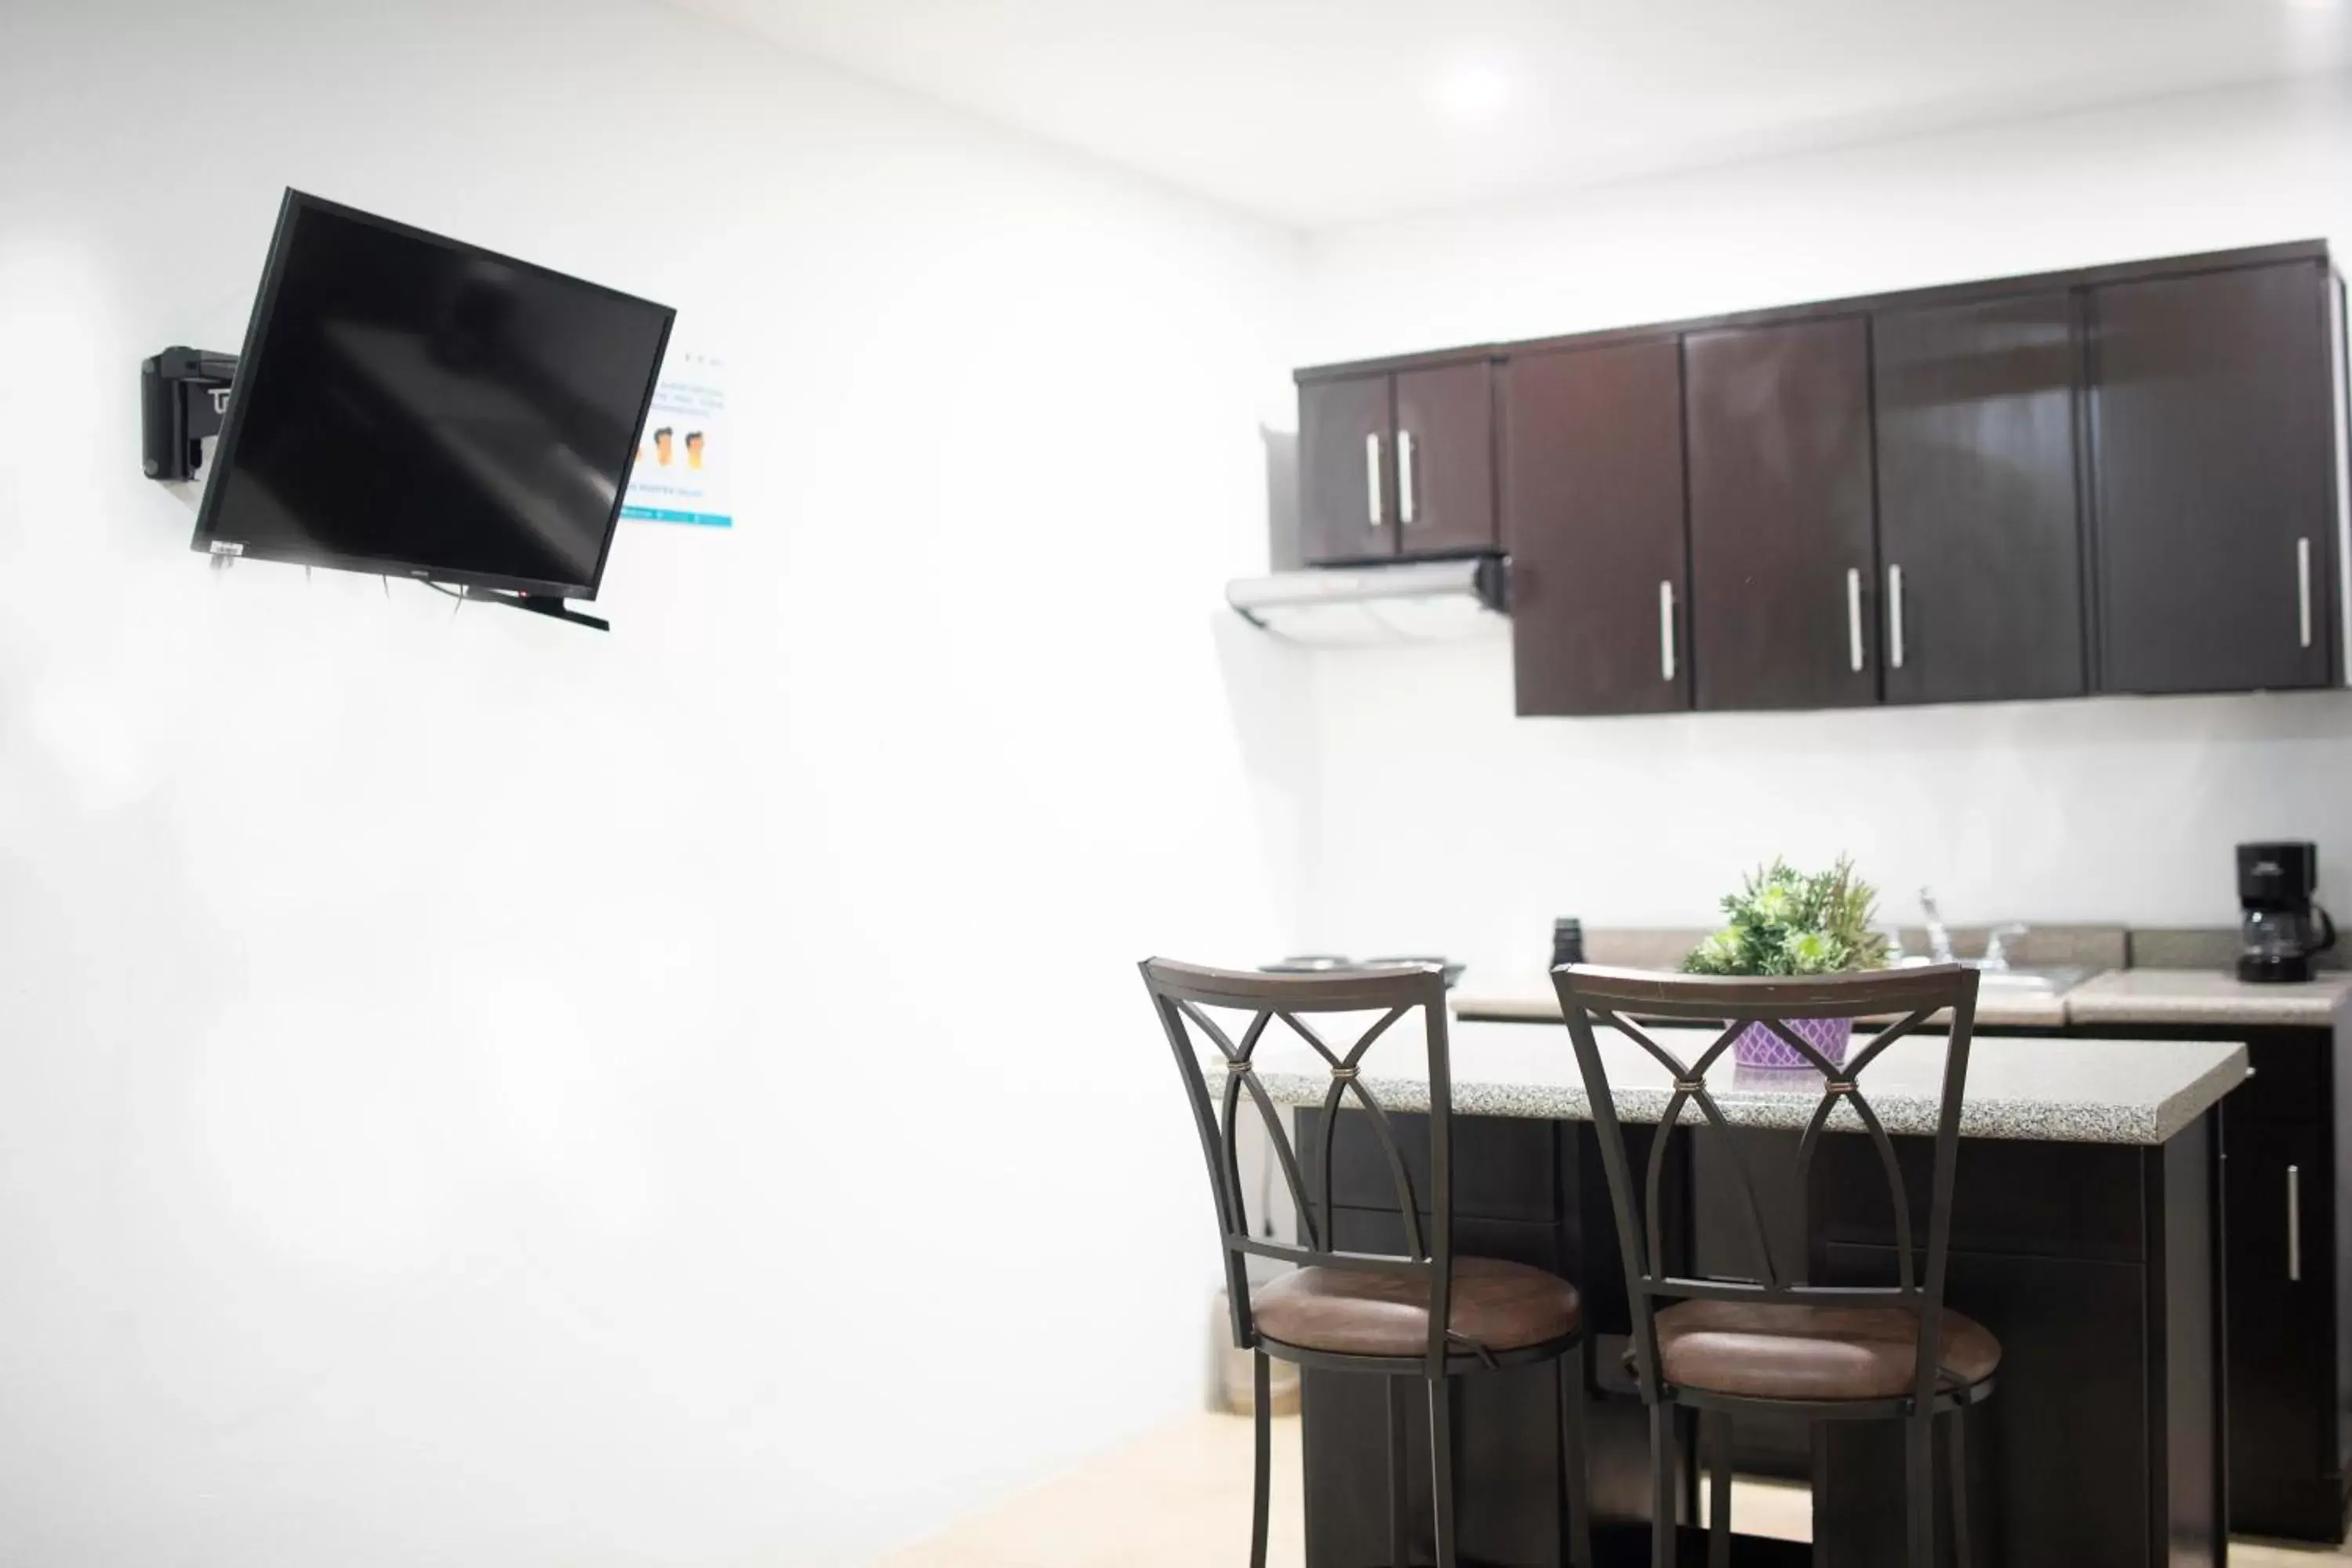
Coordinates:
x,y
408,404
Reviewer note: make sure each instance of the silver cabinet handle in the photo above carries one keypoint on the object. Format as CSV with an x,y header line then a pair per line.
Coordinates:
x,y
2294,1224
2302,584
1894,616
1404,478
1665,631
1853,617
1373,478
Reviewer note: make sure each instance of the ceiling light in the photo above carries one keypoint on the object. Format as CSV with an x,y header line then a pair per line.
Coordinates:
x,y
1472,92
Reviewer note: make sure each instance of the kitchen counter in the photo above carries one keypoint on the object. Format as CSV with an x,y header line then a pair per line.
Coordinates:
x,y
2136,1092
2086,1232
2205,996
2122,996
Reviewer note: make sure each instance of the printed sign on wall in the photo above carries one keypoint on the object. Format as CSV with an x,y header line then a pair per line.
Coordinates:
x,y
682,462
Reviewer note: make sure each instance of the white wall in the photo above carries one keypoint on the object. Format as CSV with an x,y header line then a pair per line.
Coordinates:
x,y
475,1092
1461,828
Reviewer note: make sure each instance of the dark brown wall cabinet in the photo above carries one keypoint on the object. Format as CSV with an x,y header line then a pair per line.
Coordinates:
x,y
2211,415
1593,518
1397,464
1347,499
1980,531
1782,567
2119,479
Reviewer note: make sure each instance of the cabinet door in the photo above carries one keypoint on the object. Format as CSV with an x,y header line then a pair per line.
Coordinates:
x,y
1783,577
2214,459
2059,1458
1444,461
1979,501
2281,1330
1592,515
1347,509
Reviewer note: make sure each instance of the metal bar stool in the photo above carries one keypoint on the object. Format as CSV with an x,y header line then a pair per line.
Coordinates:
x,y
1426,1313
1778,1345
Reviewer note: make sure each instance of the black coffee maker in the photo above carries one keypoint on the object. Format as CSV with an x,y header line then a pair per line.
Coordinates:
x,y
2281,925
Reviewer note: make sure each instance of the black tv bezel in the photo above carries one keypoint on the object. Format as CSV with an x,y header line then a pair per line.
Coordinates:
x,y
249,367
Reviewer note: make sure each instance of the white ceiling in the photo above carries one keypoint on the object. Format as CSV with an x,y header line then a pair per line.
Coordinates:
x,y
1316,113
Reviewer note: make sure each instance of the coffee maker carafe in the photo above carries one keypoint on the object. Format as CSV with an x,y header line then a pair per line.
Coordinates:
x,y
2281,925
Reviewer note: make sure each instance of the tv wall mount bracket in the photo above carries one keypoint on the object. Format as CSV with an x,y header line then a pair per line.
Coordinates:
x,y
183,397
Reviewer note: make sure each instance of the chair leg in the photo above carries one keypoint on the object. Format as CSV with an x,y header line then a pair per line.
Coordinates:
x,y
1716,1427
1576,1543
1262,1399
1400,1554
1919,1487
1441,1467
1664,1524
1958,1458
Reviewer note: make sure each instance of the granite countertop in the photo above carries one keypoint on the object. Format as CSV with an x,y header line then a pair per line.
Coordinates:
x,y
2120,997
2205,996
1529,999
2069,1091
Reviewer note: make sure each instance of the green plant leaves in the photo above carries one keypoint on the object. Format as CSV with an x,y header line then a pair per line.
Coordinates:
x,y
1786,922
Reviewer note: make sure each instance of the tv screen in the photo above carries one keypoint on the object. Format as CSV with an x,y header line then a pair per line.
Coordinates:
x,y
406,404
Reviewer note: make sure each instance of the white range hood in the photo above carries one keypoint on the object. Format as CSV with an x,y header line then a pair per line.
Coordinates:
x,y
1369,607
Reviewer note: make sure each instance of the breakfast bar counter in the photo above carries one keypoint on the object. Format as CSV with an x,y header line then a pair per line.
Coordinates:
x,y
2070,1091
2086,1234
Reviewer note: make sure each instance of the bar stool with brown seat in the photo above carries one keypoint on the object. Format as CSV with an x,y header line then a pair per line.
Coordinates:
x,y
1425,1313
1778,1345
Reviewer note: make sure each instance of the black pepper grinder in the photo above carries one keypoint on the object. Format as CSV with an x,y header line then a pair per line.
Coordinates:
x,y
1567,943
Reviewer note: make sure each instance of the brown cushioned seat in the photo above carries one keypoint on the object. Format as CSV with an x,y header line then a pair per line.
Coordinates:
x,y
1780,1350
1501,1306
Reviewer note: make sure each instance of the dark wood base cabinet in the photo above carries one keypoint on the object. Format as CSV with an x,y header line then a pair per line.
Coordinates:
x,y
2287,1265
2096,1264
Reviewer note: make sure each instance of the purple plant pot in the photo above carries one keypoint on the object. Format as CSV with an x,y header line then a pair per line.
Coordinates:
x,y
1759,1046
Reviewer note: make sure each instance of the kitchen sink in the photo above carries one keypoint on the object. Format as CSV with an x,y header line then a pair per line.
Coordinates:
x,y
2055,982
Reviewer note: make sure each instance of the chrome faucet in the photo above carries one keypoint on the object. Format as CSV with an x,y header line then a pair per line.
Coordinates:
x,y
1939,941
1996,958
1939,938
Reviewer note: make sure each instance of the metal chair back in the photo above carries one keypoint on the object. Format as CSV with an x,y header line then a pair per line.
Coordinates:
x,y
1182,995
1909,997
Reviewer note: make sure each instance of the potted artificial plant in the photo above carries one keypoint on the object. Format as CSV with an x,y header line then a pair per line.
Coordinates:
x,y
1785,921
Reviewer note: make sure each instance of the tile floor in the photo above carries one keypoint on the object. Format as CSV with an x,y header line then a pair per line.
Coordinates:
x,y
1180,1498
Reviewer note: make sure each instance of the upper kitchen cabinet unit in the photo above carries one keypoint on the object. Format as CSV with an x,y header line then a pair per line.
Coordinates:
x,y
1782,564
1980,500
1592,517
1396,463
2214,425
2121,479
